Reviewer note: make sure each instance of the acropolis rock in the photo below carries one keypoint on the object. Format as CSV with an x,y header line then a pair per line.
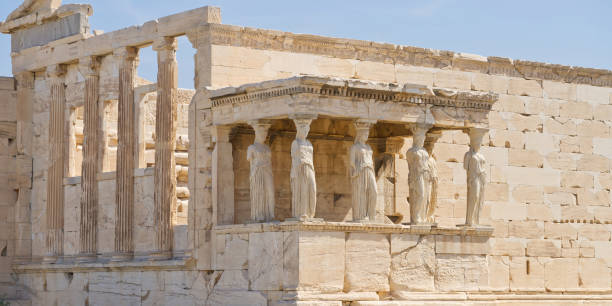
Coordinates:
x,y
301,170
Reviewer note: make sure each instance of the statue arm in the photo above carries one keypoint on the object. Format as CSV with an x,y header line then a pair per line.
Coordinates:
x,y
466,160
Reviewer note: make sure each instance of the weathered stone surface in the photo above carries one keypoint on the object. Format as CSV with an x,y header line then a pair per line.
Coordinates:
x,y
526,274
462,245
461,272
232,251
265,260
562,274
314,261
413,263
363,273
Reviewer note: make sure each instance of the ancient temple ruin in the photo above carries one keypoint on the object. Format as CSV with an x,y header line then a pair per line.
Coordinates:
x,y
302,170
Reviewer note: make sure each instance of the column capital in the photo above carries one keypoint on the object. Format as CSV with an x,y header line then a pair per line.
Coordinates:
x,y
420,128
89,66
165,43
476,136
260,122
55,71
126,54
25,79
363,123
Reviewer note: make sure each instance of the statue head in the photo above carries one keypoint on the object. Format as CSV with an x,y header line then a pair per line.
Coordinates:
x,y
261,132
361,136
303,127
419,133
476,136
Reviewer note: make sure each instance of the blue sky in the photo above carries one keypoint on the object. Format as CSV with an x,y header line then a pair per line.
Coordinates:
x,y
577,33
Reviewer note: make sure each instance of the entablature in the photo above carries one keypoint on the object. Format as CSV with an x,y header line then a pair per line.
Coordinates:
x,y
351,99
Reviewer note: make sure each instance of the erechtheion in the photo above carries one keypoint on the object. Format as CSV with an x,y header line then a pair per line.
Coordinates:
x,y
302,170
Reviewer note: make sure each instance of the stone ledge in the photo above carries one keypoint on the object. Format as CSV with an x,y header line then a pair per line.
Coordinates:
x,y
462,297
134,265
324,226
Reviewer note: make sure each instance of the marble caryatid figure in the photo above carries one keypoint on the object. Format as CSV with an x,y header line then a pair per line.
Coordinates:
x,y
475,166
303,184
419,176
362,175
261,177
433,177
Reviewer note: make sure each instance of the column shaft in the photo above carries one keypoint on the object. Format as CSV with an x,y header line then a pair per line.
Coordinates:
x,y
126,154
55,177
165,131
89,172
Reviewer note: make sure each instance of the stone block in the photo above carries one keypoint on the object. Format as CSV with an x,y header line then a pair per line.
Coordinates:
x,y
593,94
507,247
414,75
594,274
577,110
508,211
560,126
542,143
532,176
558,90
319,264
42,34
539,212
475,245
8,103
528,194
496,192
543,248
603,112
560,231
452,79
375,71
594,232
265,260
526,274
562,274
412,263
506,139
594,163
561,161
602,146
486,82
522,87
526,229
592,128
525,158
237,298
511,104
592,198
499,273
525,123
231,251
576,144
461,272
578,213
363,273
575,179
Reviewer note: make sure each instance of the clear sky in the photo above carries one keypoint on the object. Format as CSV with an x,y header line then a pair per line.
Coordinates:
x,y
577,33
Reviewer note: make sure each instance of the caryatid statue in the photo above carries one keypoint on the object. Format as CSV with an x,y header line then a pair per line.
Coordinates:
x,y
430,141
303,183
419,175
362,175
261,177
475,166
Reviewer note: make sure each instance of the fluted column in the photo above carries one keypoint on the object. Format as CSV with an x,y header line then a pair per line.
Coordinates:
x,y
89,183
165,132
223,175
55,176
126,155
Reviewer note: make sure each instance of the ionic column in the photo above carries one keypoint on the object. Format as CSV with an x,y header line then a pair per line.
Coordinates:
x,y
223,175
475,165
89,183
55,176
126,154
165,131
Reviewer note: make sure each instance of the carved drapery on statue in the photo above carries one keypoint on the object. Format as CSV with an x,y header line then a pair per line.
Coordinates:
x,y
362,175
432,201
419,176
303,183
261,177
475,166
